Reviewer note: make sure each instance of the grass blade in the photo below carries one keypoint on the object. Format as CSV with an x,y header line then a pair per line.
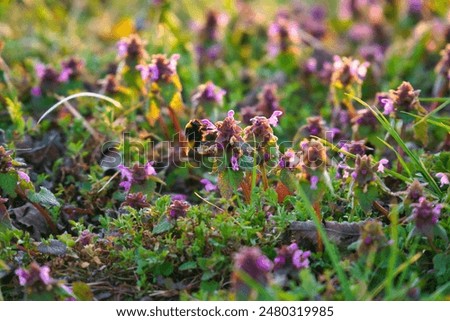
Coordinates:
x,y
83,94
419,164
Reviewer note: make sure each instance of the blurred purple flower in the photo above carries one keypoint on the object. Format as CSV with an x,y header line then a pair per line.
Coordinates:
x,y
208,93
273,120
36,91
388,106
381,165
148,72
234,163
290,254
35,273
443,179
283,35
314,180
209,186
85,237
426,215
252,262
23,176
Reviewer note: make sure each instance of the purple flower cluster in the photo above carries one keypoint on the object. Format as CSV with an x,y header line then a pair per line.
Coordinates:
x,y
268,103
425,215
372,237
132,49
135,175
86,237
348,71
290,255
209,186
35,275
283,35
209,48
178,209
208,93
161,68
252,262
136,200
364,172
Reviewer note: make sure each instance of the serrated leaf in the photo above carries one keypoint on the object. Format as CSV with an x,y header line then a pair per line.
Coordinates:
x,y
163,226
8,183
229,181
43,197
366,199
188,266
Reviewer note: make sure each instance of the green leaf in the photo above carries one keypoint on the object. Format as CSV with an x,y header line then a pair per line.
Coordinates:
x,y
366,199
421,132
188,266
8,183
44,197
288,179
229,181
163,226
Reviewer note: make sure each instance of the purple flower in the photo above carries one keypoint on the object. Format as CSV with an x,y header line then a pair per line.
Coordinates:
x,y
314,180
64,75
228,131
36,91
148,72
209,186
273,120
283,35
371,237
363,173
426,215
178,197
208,92
85,237
252,262
347,71
178,209
388,106
72,68
165,68
443,179
405,97
23,176
135,175
291,256
132,48
209,125
234,163
34,274
23,276
414,191
40,70
122,48
136,200
381,165
300,259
